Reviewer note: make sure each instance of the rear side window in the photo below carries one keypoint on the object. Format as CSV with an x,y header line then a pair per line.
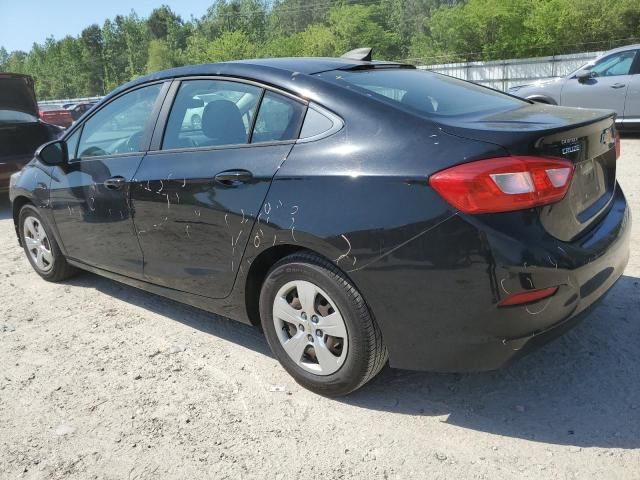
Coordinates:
x,y
208,113
279,118
425,93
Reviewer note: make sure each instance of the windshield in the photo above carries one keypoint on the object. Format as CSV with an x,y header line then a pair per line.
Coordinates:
x,y
11,116
425,93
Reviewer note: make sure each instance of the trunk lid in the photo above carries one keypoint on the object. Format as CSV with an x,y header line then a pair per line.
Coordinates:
x,y
585,137
17,93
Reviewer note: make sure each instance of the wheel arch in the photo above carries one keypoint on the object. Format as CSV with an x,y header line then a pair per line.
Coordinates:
x,y
18,203
542,99
259,269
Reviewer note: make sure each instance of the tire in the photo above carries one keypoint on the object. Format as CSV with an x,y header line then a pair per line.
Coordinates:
x,y
49,262
330,365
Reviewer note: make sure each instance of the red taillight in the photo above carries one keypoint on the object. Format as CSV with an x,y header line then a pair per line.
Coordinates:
x,y
504,184
617,145
528,297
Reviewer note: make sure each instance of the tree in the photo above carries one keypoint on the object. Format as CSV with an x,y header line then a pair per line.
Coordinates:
x,y
4,58
160,56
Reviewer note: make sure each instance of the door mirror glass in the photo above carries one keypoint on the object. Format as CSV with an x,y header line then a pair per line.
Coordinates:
x,y
53,153
584,75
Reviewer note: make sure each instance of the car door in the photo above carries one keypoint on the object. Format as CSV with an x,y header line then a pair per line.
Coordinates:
x,y
632,104
90,193
608,86
198,194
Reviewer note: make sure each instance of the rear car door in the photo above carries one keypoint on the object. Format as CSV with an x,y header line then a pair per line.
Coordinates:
x,y
201,187
608,87
632,104
90,194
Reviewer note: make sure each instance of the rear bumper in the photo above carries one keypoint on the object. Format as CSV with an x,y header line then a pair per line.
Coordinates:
x,y
436,298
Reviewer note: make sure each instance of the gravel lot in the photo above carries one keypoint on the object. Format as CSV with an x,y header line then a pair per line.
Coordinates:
x,y
99,380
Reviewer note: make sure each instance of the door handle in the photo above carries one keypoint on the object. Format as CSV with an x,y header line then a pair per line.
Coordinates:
x,y
618,85
233,177
115,183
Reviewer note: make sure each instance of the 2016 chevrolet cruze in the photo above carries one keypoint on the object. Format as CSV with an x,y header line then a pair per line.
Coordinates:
x,y
358,211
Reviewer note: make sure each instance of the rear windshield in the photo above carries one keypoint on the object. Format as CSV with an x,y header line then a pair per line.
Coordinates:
x,y
11,116
425,93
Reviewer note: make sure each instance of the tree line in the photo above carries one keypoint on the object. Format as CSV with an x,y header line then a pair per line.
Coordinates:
x,y
417,31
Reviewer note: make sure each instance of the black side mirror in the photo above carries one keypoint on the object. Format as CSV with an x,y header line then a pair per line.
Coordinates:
x,y
584,75
53,153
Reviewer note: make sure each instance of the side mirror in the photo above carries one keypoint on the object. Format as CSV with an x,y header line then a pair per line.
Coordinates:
x,y
584,75
53,153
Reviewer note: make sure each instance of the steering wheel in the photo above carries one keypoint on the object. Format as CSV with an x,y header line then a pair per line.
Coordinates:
x,y
133,142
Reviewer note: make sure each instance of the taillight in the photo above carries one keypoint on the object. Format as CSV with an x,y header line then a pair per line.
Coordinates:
x,y
504,184
617,145
529,296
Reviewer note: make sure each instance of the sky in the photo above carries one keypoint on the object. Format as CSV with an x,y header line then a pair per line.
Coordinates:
x,y
23,22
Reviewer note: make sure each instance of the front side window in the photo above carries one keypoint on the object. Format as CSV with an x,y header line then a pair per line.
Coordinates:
x,y
72,144
209,113
119,127
619,64
425,93
279,119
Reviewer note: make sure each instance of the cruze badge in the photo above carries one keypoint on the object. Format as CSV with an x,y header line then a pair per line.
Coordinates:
x,y
570,149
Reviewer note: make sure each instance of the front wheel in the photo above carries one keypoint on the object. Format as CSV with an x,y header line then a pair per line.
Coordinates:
x,y
41,248
319,327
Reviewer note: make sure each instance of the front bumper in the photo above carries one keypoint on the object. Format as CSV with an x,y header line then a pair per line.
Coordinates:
x,y
436,297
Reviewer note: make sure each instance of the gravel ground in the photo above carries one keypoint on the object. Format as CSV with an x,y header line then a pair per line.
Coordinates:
x,y
98,380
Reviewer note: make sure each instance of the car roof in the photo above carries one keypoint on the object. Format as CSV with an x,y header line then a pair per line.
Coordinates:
x,y
262,68
622,49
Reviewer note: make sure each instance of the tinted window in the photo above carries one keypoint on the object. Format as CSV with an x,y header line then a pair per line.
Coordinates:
x,y
279,119
119,126
619,64
11,116
209,113
423,92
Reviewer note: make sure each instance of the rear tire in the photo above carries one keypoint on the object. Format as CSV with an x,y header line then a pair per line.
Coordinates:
x,y
318,326
41,248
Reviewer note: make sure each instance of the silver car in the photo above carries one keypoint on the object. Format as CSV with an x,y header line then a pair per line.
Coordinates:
x,y
611,81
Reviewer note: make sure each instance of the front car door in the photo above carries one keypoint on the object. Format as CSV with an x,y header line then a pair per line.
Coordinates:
x,y
198,194
90,194
608,86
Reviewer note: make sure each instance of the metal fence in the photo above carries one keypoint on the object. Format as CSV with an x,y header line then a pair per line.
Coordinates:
x,y
69,100
502,74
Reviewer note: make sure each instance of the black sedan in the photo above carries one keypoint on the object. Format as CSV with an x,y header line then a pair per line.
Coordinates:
x,y
359,212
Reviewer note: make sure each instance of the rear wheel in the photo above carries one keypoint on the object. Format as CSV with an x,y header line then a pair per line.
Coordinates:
x,y
319,327
41,248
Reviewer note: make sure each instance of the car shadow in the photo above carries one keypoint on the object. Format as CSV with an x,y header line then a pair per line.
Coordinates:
x,y
582,389
209,323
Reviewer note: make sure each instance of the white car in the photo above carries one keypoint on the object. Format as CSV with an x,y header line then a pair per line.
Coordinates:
x,y
612,82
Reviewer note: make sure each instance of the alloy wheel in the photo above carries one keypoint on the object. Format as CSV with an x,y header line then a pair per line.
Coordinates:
x,y
38,244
